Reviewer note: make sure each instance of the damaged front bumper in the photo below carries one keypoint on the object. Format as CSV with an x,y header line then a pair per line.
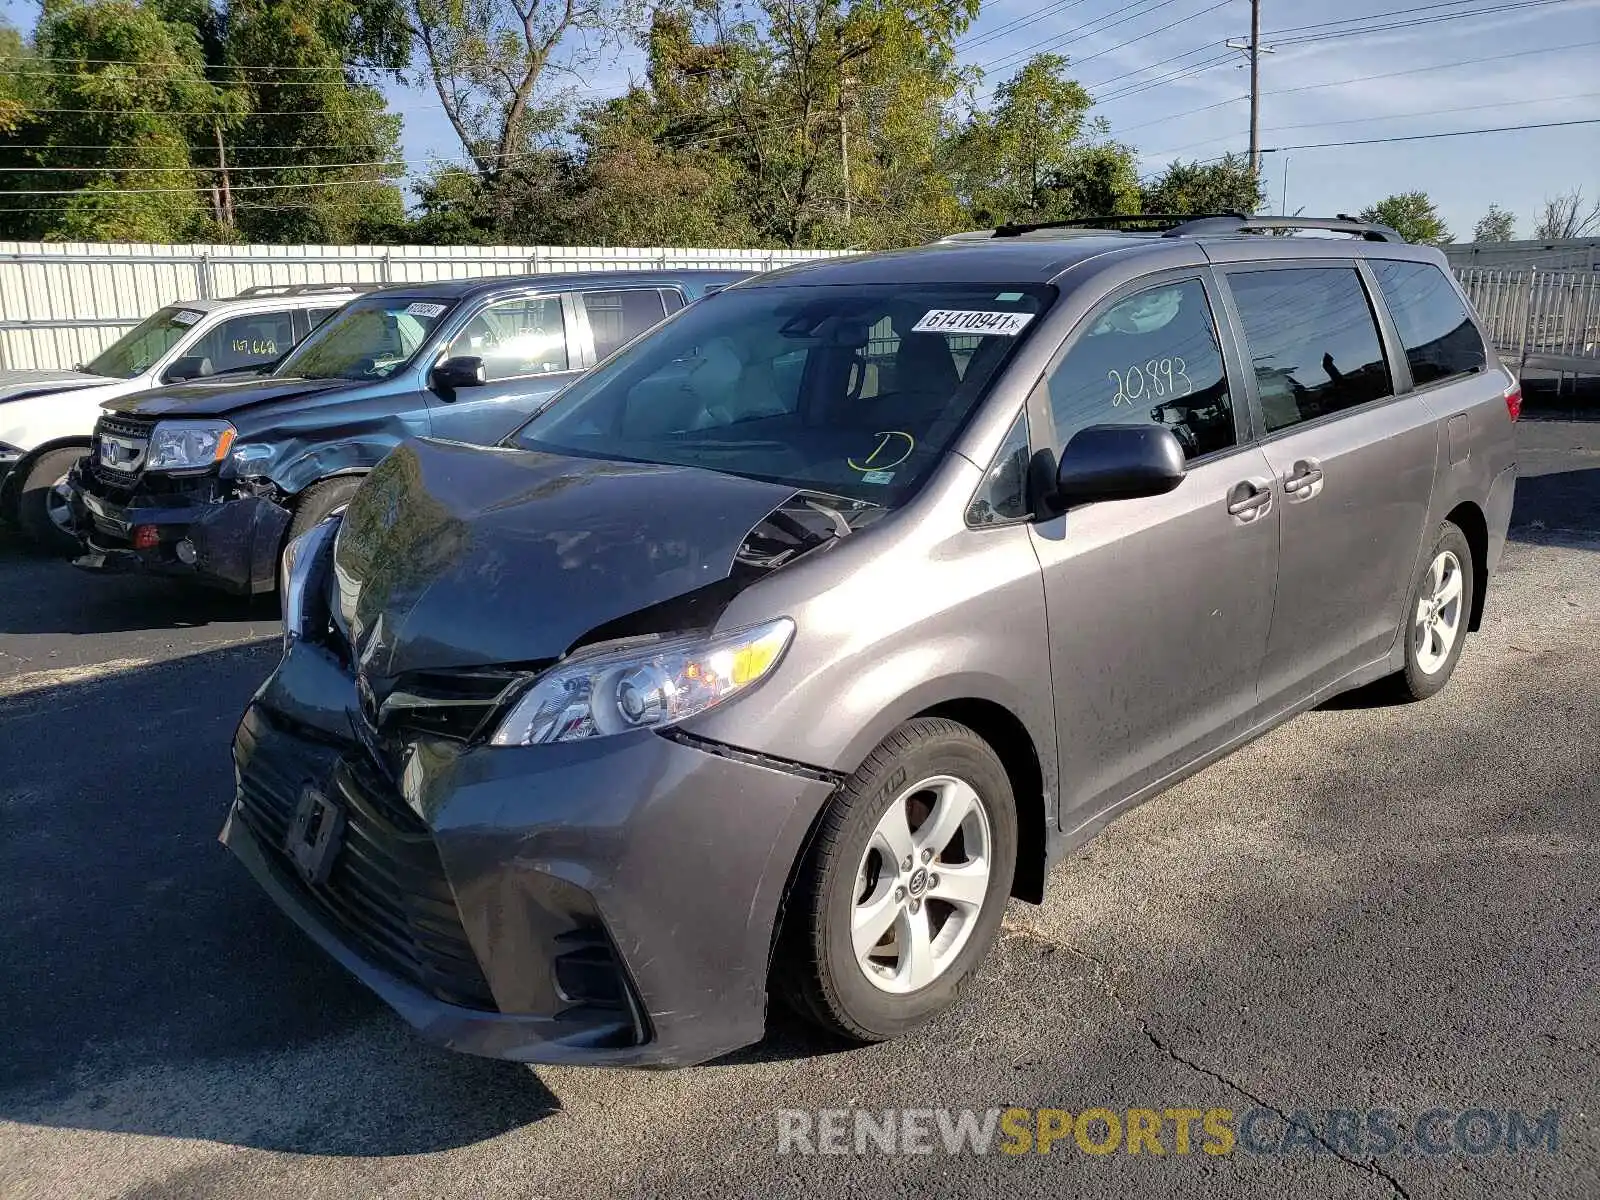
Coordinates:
x,y
610,902
188,527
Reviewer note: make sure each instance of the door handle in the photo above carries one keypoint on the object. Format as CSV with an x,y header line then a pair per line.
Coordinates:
x,y
1246,500
1307,474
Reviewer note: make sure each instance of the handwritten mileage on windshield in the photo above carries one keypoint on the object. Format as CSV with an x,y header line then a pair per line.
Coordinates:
x,y
1158,378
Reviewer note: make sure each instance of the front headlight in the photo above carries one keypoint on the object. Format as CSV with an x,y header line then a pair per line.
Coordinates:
x,y
184,445
301,573
649,686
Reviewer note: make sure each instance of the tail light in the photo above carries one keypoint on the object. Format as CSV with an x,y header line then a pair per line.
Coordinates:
x,y
1514,400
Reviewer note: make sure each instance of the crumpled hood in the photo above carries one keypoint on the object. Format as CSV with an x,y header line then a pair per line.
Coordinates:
x,y
218,399
461,556
16,385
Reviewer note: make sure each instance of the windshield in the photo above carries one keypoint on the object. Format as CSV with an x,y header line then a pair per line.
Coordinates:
x,y
142,346
370,338
855,391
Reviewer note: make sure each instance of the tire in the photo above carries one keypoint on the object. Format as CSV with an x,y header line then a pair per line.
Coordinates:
x,y
319,502
848,876
39,502
1432,660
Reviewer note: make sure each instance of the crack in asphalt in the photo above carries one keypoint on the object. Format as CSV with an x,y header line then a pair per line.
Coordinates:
x,y
1101,971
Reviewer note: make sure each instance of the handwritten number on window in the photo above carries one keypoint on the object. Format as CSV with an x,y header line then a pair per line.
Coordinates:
x,y
1158,377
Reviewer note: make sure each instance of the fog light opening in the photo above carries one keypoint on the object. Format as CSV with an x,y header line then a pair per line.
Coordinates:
x,y
145,537
185,552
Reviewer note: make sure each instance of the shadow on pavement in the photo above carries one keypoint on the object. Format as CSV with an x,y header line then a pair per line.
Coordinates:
x,y
149,987
1560,500
50,595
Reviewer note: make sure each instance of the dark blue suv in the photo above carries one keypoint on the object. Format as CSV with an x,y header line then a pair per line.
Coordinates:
x,y
209,482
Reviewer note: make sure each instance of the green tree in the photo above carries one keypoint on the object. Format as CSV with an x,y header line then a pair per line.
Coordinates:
x,y
1098,179
1228,185
1007,158
1496,225
490,61
1412,215
305,73
115,95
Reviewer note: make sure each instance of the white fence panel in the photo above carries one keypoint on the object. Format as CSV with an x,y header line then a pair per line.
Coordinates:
x,y
61,303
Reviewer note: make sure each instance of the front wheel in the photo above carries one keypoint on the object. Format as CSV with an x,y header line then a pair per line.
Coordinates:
x,y
44,503
902,892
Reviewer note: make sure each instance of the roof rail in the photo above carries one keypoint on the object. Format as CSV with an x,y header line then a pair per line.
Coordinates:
x,y
1132,222
302,289
1369,231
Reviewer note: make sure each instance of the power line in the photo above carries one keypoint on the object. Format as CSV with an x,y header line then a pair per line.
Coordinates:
x,y
1432,112
1055,39
1171,25
128,62
1332,83
1382,16
194,167
1421,137
1028,18
1308,39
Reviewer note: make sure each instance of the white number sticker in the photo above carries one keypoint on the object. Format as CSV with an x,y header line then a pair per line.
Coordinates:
x,y
185,317
423,309
1158,378
957,320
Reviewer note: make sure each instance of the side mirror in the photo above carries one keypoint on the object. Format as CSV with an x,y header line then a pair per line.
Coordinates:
x,y
465,370
190,366
1118,462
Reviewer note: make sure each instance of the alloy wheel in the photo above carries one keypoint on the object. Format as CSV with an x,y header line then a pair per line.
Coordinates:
x,y
1438,618
921,884
58,505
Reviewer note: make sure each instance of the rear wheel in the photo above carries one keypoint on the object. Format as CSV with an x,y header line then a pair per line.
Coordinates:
x,y
1437,615
901,895
44,508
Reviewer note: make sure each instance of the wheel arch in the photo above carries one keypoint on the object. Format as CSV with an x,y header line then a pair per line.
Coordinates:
x,y
1469,518
1008,737
11,489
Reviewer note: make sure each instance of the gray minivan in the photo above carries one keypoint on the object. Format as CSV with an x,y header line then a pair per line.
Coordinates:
x,y
811,626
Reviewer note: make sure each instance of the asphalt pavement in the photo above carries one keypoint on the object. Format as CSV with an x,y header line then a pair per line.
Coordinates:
x,y
1373,907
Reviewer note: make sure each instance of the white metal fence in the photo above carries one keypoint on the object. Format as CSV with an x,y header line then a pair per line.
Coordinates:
x,y
1547,320
62,303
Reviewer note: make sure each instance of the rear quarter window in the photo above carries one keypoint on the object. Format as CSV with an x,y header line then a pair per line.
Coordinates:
x,y
1439,337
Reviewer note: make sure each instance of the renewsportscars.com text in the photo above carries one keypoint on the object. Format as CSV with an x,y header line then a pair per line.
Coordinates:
x,y
1368,1133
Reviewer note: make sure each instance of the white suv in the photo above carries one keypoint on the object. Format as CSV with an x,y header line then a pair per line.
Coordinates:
x,y
47,417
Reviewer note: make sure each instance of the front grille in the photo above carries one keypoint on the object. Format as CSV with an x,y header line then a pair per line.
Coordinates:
x,y
386,890
125,426
115,425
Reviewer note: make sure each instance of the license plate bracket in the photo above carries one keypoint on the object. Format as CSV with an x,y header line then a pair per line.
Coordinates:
x,y
315,834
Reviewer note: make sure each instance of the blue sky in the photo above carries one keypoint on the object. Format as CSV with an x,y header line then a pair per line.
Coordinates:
x,y
1558,81
1206,114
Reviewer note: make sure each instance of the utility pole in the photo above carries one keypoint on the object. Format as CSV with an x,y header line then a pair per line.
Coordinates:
x,y
1255,86
844,145
1255,50
225,200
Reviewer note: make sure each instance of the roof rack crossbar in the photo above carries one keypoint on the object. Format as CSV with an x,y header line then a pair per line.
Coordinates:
x,y
301,289
1369,231
1138,222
